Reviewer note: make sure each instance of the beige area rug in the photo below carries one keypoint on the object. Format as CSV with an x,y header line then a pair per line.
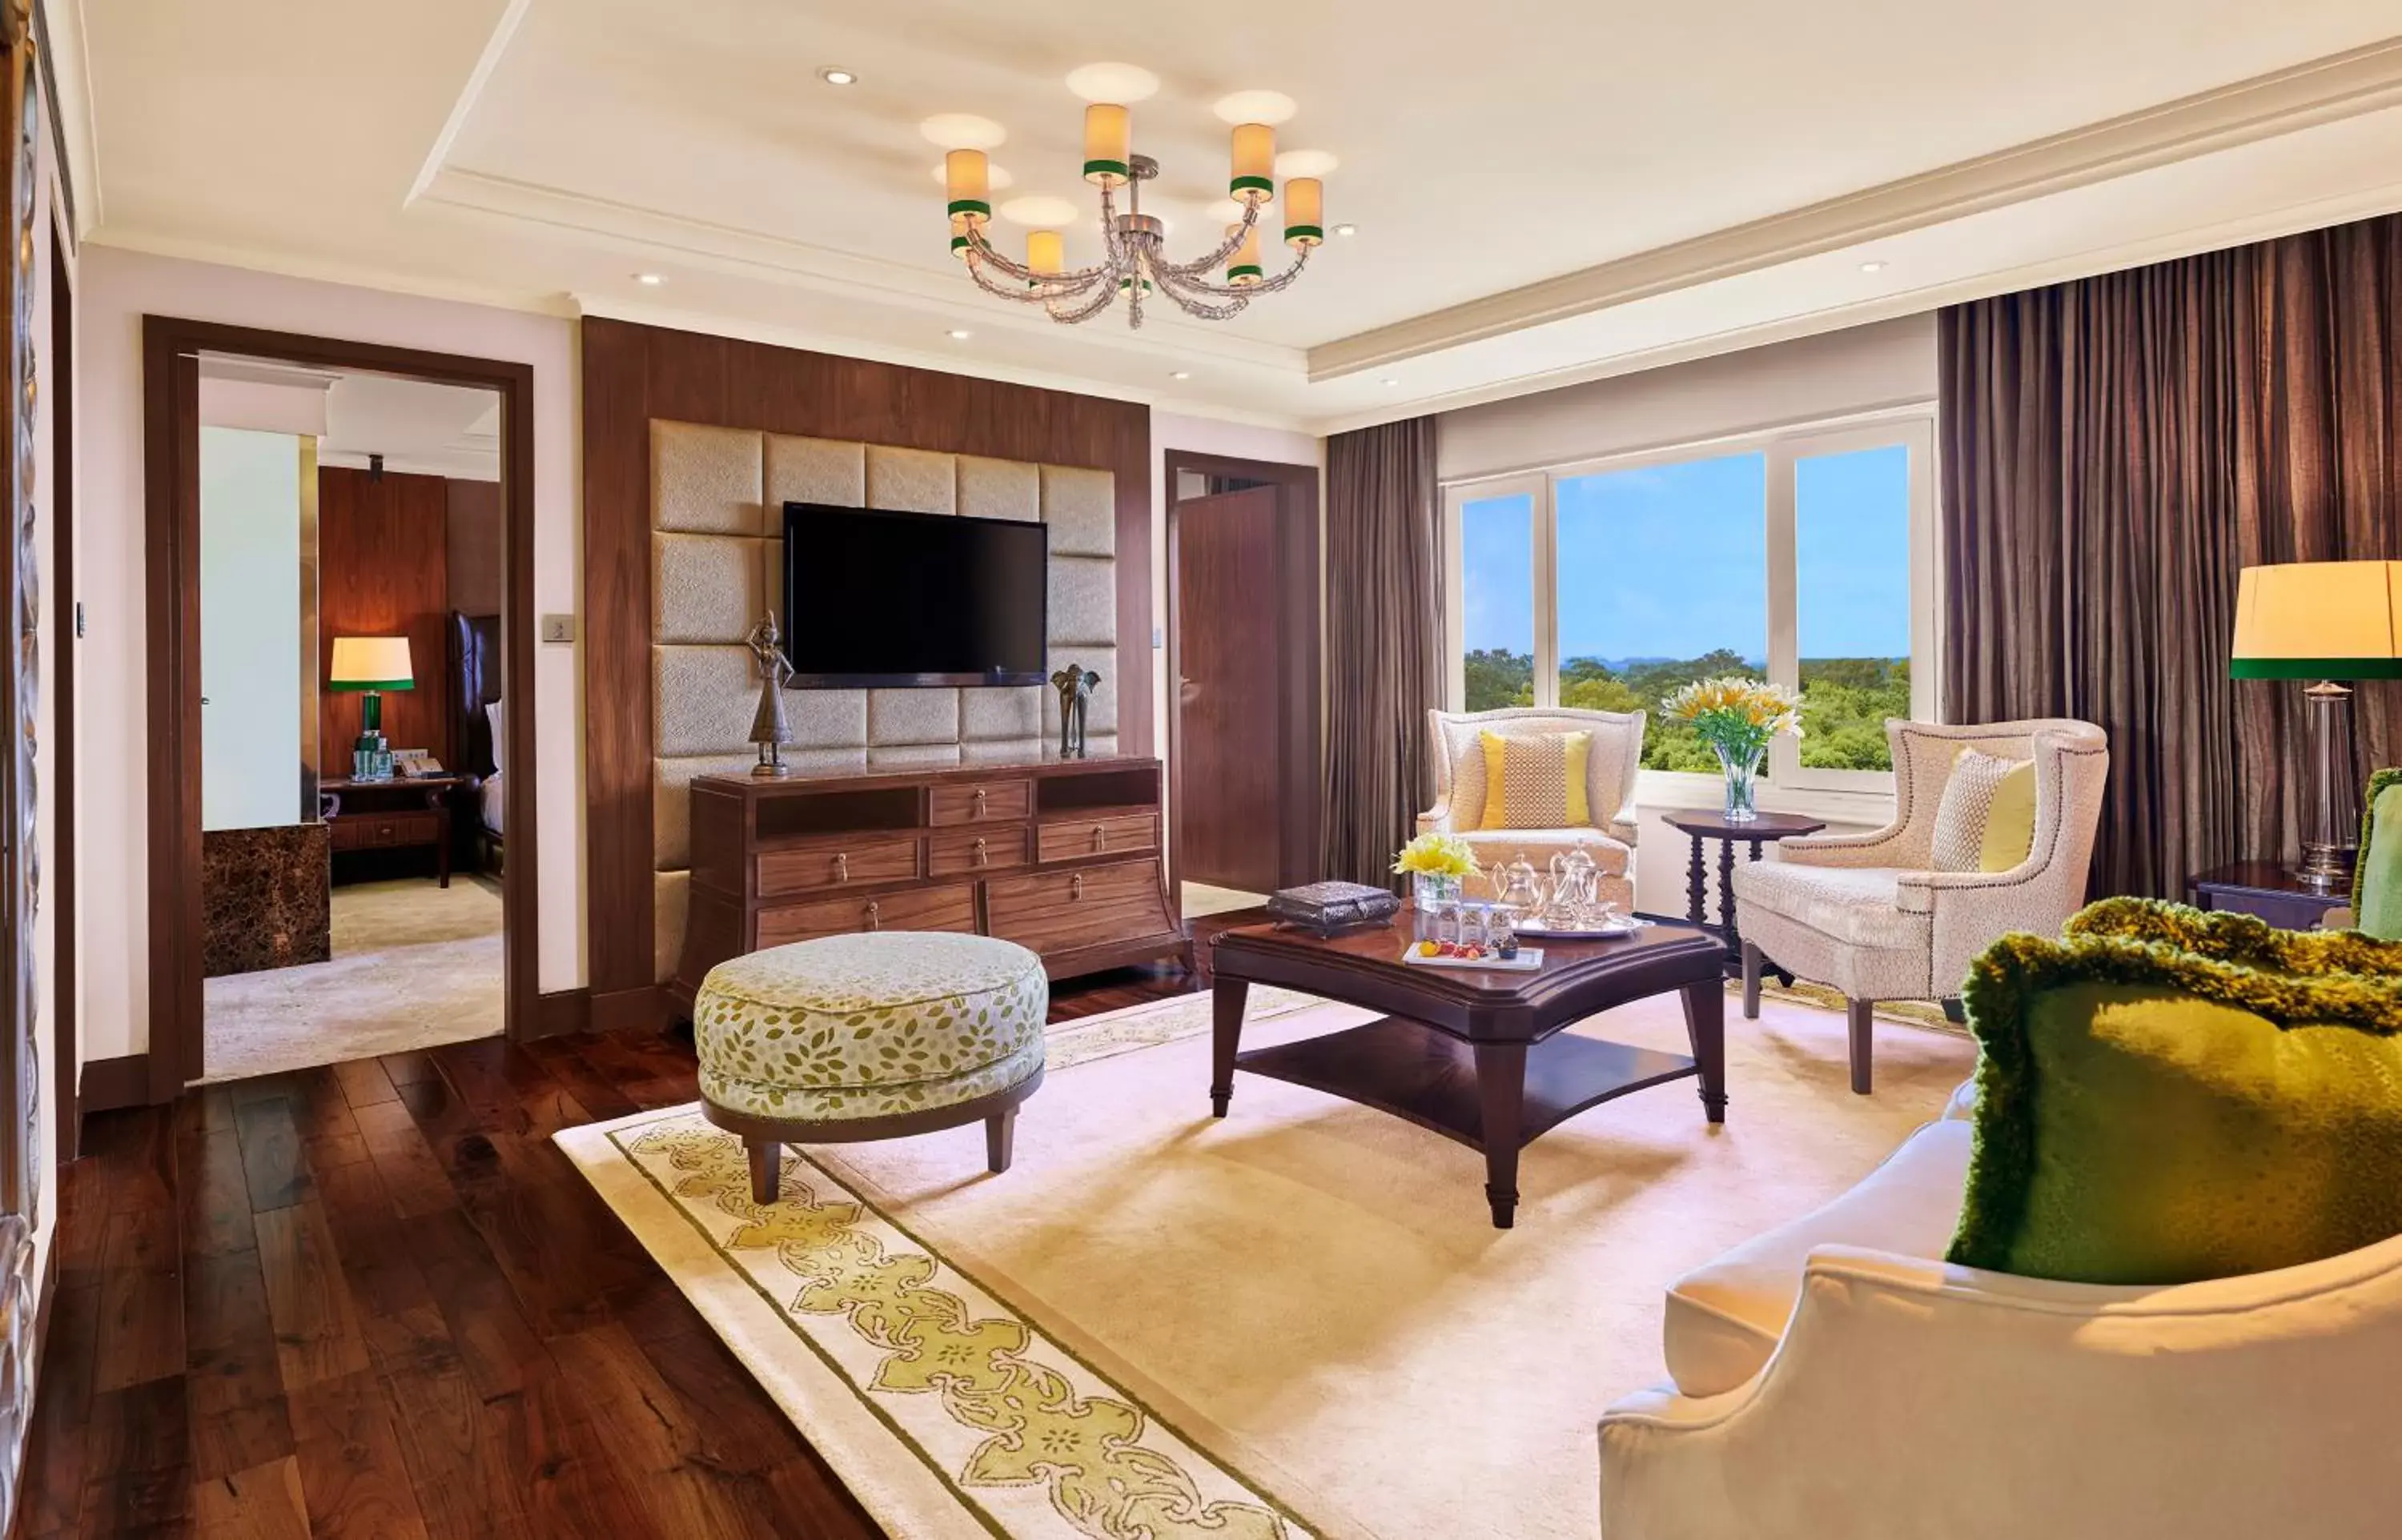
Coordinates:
x,y
1294,1322
1200,898
414,964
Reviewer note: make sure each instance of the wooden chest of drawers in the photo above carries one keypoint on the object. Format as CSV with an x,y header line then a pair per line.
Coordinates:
x,y
1060,855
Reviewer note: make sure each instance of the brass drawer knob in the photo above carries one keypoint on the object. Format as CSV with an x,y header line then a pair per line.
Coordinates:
x,y
979,853
977,800
841,867
1076,886
870,915
1101,838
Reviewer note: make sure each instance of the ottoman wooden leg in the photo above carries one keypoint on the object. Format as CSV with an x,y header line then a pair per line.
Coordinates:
x,y
767,1168
1000,1140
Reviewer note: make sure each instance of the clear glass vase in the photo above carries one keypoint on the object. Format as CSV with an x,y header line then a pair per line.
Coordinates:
x,y
1432,895
1741,772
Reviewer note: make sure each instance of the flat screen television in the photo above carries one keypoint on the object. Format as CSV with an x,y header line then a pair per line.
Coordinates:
x,y
893,599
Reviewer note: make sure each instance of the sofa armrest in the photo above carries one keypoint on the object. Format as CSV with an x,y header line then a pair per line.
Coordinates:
x,y
1877,847
1623,826
1437,820
1912,1398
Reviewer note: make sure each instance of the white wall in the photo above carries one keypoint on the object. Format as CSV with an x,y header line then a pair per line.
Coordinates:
x,y
250,628
1860,369
1206,437
118,289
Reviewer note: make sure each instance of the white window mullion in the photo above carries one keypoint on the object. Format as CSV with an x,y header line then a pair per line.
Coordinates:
x,y
1547,595
1784,647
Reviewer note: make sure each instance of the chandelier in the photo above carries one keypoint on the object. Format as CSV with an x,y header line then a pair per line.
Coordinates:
x,y
1134,261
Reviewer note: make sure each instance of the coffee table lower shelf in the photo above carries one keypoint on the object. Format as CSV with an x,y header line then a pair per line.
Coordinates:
x,y
1461,1090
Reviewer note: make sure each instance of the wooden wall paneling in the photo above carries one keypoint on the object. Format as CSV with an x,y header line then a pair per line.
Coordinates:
x,y
383,564
473,542
634,373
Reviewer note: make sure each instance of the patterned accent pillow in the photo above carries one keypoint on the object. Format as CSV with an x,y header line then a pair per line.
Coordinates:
x,y
1985,821
1467,787
1537,781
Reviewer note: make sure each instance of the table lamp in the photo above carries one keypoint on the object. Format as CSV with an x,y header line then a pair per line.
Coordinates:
x,y
374,664
2326,622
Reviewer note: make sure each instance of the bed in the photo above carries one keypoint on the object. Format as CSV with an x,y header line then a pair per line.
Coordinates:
x,y
475,670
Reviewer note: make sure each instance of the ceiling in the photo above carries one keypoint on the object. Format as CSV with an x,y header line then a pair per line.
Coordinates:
x,y
419,427
1544,190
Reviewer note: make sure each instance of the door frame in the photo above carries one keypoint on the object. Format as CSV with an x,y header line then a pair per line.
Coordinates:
x,y
65,1049
1301,737
171,504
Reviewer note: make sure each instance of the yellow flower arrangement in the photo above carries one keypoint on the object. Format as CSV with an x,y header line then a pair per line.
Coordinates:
x,y
1436,856
1735,715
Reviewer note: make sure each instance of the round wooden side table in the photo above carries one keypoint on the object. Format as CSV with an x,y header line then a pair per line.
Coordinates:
x,y
1711,824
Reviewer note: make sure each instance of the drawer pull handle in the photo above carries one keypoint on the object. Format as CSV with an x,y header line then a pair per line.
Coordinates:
x,y
980,855
978,811
841,867
1076,886
871,914
1101,838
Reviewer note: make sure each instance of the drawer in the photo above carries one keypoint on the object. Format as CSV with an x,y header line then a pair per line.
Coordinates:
x,y
1055,911
966,852
385,831
838,863
979,802
1112,835
912,909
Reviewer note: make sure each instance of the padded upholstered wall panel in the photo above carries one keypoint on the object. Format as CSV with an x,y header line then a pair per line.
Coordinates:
x,y
717,564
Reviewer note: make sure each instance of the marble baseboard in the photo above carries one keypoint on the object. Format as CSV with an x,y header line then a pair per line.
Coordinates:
x,y
266,897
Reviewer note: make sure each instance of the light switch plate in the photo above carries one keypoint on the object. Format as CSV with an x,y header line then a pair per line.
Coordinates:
x,y
558,628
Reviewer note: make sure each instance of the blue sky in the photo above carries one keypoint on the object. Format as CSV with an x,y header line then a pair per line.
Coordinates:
x,y
1671,560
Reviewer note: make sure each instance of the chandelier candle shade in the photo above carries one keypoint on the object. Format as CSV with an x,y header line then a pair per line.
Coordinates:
x,y
1134,262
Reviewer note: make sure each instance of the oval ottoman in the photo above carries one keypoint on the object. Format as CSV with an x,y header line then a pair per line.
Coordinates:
x,y
869,1036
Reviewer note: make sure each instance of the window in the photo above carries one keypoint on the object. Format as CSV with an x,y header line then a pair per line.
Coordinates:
x,y
1805,558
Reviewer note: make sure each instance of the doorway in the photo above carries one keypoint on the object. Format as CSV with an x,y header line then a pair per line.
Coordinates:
x,y
1245,720
342,803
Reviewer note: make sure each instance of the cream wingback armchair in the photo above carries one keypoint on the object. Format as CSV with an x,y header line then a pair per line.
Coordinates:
x,y
1863,913
1832,1378
1615,759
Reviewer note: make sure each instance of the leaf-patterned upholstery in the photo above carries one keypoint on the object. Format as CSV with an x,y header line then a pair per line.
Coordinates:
x,y
869,1025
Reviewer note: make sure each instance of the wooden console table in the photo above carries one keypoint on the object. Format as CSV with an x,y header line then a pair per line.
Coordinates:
x,y
399,813
2267,889
1060,855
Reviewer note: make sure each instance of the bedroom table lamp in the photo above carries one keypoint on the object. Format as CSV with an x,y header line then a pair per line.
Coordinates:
x,y
2327,622
372,665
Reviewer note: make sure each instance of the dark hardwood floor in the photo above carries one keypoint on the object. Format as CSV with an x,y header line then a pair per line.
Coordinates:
x,y
375,1299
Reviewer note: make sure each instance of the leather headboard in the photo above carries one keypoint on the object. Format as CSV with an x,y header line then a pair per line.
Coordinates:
x,y
476,683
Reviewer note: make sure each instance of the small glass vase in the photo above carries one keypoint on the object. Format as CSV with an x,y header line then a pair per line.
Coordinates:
x,y
1431,894
1741,772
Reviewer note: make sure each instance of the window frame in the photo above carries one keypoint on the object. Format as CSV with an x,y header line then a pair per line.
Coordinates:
x,y
1786,781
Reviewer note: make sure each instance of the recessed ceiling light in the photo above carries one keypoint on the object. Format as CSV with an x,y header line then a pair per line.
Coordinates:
x,y
1269,107
833,76
963,131
1388,383
649,280
1871,266
1305,163
1121,84
960,334
1181,374
1346,229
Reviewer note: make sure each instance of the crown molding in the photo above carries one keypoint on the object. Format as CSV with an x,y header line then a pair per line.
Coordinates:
x,y
280,263
69,61
944,295
2241,230
2341,86
503,31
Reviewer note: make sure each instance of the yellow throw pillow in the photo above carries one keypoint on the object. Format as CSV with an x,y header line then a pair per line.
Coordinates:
x,y
1985,820
2009,823
1537,781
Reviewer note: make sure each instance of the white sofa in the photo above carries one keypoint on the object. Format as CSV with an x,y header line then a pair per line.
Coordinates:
x,y
1611,765
1863,913
1835,1380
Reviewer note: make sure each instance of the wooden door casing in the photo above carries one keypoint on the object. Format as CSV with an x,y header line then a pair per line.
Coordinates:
x,y
1230,661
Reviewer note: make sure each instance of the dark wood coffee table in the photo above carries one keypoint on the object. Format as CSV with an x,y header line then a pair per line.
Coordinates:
x,y
1476,1055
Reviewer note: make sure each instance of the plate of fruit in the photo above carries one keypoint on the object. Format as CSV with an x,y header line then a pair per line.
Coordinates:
x,y
1513,958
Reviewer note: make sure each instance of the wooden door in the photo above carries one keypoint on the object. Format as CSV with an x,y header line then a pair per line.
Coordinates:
x,y
1230,657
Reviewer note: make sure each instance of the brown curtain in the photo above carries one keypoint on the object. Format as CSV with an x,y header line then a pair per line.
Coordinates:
x,y
1383,640
2115,451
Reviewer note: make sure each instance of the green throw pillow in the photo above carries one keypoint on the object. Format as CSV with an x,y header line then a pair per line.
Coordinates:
x,y
2377,880
2231,937
2151,1116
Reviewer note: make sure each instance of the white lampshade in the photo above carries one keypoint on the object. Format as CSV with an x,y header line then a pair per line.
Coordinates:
x,y
1109,144
1304,211
370,662
968,175
1254,162
2319,620
1243,269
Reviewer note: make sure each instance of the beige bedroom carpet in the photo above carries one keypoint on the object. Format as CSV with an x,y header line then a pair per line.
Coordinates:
x,y
1297,1321
415,965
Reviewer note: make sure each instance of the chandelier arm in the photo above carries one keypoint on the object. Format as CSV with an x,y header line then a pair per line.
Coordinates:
x,y
1192,298
1089,308
1040,292
1266,286
1233,244
978,246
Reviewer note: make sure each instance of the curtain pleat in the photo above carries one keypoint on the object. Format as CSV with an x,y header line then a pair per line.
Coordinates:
x,y
1383,640
2115,451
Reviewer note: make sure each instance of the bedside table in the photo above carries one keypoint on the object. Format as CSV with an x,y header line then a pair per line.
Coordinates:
x,y
2264,888
392,815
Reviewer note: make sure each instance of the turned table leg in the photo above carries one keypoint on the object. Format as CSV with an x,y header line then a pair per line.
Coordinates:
x,y
1227,997
1697,887
1705,1025
1501,1090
